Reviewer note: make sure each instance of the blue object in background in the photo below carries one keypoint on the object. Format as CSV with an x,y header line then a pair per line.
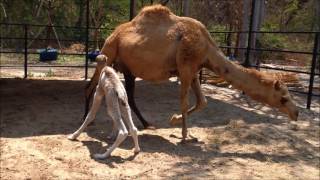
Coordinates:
x,y
93,54
231,57
49,54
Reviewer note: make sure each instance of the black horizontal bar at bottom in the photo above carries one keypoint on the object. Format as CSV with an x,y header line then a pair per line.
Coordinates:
x,y
54,66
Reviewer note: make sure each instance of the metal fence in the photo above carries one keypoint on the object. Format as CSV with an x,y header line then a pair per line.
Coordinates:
x,y
314,53
25,51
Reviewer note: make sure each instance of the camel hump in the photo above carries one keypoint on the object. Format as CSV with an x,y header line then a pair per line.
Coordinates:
x,y
155,10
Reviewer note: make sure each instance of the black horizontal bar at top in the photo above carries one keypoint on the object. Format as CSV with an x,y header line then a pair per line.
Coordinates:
x,y
282,69
79,27
54,66
55,26
266,32
60,53
271,50
44,39
302,92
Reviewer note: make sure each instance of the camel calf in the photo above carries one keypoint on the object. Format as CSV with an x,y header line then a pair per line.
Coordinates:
x,y
110,87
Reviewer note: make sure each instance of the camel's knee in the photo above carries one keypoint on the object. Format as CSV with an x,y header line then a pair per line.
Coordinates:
x,y
122,135
134,131
203,103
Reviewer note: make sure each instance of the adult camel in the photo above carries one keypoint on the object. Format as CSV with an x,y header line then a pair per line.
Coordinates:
x,y
157,45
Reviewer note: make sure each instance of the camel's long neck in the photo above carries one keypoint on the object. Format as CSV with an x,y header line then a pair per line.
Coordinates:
x,y
247,80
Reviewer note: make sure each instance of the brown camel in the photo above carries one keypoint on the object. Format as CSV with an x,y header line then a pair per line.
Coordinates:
x,y
157,45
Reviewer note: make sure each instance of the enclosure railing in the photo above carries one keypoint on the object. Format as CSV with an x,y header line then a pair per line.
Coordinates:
x,y
315,53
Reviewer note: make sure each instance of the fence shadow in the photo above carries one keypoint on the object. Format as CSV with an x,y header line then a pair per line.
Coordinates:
x,y
46,107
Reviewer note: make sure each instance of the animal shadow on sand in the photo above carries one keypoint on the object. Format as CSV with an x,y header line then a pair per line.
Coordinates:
x,y
37,107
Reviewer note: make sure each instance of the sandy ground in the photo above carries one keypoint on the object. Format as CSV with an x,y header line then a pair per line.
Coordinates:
x,y
238,138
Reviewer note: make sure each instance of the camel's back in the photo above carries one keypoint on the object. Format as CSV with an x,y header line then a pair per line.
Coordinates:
x,y
148,44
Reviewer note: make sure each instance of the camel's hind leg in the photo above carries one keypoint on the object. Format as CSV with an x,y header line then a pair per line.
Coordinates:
x,y
184,100
92,113
189,58
130,87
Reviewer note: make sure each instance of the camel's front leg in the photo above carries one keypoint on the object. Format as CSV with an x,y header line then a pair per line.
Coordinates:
x,y
184,100
91,115
200,102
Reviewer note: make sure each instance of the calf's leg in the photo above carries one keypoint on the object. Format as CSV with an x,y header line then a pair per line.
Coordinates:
x,y
113,110
92,113
126,114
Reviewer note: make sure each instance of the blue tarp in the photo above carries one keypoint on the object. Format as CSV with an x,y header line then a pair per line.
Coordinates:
x,y
93,54
48,54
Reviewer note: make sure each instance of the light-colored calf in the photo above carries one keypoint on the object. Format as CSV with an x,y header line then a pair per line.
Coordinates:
x,y
111,88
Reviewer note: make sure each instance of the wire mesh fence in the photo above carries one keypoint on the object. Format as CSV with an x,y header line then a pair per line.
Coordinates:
x,y
21,56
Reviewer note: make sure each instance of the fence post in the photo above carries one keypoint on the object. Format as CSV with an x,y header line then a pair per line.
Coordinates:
x,y
25,50
247,60
132,9
201,75
313,67
87,39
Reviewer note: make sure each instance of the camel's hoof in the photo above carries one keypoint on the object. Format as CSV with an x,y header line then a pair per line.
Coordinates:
x,y
92,124
72,137
175,120
100,156
111,138
174,136
136,151
151,127
186,141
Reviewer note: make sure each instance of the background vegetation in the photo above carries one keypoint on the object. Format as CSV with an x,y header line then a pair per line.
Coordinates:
x,y
283,15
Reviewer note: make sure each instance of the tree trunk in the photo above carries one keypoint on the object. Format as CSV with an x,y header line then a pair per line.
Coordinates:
x,y
317,15
132,9
81,13
317,27
49,26
186,7
256,25
244,27
229,27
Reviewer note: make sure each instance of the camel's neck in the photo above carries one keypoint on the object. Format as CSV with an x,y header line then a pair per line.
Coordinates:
x,y
252,82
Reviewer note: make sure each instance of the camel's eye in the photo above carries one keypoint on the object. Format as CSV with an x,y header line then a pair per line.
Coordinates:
x,y
283,100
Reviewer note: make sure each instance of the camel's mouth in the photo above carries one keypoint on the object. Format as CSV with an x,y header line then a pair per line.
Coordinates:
x,y
293,114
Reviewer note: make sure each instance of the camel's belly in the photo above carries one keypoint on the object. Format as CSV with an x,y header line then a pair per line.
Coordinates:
x,y
149,59
152,73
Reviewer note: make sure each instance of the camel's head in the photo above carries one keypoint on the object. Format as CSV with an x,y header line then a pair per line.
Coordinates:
x,y
282,100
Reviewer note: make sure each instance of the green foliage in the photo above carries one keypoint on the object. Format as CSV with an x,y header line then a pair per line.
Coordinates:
x,y
220,38
291,15
291,7
50,73
30,74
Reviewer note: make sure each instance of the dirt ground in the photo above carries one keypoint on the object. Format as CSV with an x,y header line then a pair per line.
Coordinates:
x,y
238,138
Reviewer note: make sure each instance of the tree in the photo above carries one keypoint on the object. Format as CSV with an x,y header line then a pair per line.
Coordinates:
x,y
259,13
242,37
97,17
186,7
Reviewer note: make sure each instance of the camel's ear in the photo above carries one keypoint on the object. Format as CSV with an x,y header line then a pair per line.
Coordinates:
x,y
277,85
